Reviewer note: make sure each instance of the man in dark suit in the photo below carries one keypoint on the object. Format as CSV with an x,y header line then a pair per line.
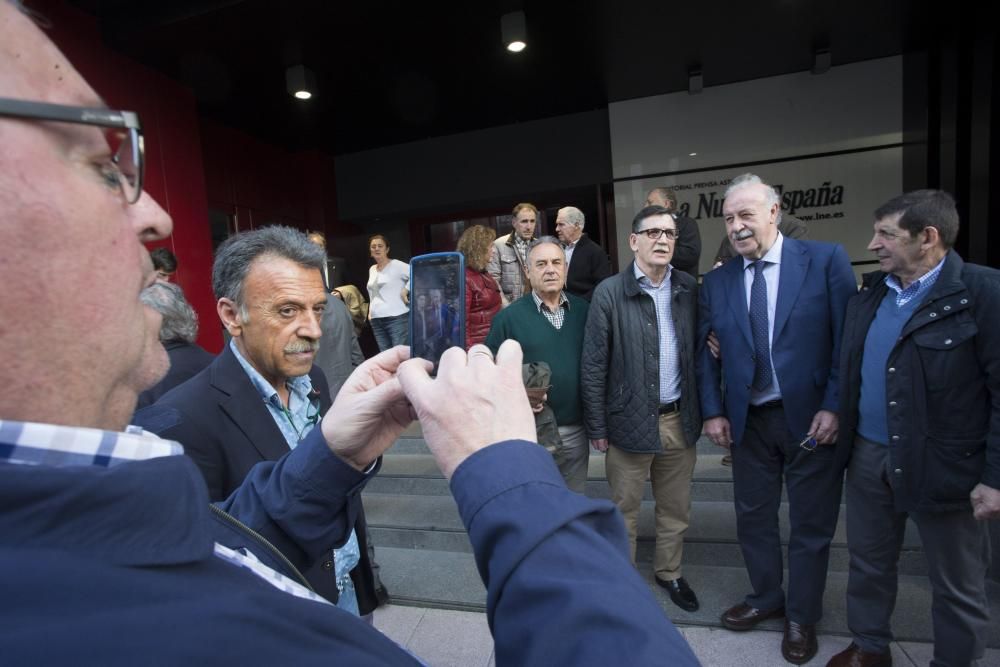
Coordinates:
x,y
263,394
688,250
178,331
588,263
778,314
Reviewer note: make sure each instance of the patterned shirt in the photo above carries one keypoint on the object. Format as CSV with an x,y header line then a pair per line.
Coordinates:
x,y
918,289
557,316
521,246
670,362
26,443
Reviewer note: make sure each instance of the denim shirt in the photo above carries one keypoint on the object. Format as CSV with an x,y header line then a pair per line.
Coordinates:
x,y
295,422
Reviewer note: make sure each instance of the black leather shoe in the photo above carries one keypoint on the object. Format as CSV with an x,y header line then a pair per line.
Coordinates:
x,y
853,656
799,645
680,593
744,617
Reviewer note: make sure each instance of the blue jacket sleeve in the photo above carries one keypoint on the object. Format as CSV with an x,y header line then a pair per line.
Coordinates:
x,y
302,503
561,589
709,368
841,285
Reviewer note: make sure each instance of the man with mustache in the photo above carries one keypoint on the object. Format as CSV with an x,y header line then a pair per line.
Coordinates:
x,y
263,394
778,314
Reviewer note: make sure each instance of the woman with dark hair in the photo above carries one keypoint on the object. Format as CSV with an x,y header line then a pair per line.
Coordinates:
x,y
387,280
482,294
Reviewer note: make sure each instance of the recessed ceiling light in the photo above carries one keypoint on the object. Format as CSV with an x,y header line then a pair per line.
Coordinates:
x,y
692,154
513,31
301,82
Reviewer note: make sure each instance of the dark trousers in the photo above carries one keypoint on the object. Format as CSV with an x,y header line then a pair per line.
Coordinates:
x,y
958,554
768,452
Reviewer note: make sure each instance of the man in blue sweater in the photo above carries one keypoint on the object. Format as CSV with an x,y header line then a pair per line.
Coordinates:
x,y
110,552
920,419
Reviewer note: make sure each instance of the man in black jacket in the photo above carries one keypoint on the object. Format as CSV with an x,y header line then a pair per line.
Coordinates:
x,y
688,250
639,392
588,263
263,394
920,417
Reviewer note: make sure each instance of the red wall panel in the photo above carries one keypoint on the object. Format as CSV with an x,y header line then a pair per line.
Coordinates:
x,y
174,175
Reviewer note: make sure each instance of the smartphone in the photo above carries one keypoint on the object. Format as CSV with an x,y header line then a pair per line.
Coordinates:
x,y
437,304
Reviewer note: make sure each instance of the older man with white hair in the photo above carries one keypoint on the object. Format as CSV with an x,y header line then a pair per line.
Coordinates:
x,y
778,315
587,261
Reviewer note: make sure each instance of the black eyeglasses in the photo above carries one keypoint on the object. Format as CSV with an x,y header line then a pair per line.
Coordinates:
x,y
124,135
654,233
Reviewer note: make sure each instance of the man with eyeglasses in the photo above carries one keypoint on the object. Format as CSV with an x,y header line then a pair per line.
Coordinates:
x,y
778,315
639,393
110,552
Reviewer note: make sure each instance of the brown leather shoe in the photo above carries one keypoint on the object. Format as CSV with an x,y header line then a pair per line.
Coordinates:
x,y
744,617
853,656
799,644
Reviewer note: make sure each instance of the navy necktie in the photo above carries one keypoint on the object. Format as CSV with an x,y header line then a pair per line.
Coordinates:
x,y
758,327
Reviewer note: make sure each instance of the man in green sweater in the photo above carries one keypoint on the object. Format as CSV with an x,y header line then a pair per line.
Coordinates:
x,y
549,325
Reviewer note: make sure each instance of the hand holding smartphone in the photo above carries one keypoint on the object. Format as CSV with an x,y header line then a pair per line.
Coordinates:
x,y
437,304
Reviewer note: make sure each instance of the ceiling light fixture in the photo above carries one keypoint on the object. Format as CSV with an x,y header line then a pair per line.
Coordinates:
x,y
513,31
691,154
301,82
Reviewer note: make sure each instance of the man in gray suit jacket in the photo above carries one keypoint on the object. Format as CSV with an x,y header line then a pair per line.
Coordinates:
x,y
339,353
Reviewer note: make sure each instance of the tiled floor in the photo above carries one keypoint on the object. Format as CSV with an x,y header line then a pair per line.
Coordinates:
x,y
444,638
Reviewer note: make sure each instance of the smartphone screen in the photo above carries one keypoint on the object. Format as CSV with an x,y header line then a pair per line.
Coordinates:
x,y
437,304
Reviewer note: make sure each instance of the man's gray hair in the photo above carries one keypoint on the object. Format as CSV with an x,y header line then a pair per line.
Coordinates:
x,y
542,240
574,216
744,180
238,252
180,322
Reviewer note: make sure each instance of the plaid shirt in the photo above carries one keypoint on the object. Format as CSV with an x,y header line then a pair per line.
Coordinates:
x,y
670,361
25,443
918,289
556,317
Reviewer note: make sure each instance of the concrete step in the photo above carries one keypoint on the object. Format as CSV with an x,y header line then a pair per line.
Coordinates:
x,y
432,522
412,442
449,579
418,475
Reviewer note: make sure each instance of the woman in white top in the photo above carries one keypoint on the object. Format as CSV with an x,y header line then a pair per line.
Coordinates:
x,y
387,280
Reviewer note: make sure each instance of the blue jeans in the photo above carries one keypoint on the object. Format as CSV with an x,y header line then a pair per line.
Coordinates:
x,y
391,331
